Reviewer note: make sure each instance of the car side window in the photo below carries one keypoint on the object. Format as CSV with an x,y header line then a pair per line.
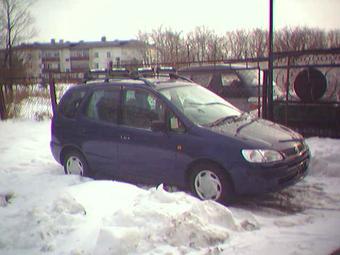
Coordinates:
x,y
104,105
230,79
140,108
71,102
175,125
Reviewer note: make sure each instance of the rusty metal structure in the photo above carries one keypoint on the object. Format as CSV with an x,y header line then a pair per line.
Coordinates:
x,y
310,81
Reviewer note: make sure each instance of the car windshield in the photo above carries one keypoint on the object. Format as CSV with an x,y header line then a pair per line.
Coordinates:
x,y
200,105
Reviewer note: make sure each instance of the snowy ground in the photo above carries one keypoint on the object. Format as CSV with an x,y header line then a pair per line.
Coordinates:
x,y
42,211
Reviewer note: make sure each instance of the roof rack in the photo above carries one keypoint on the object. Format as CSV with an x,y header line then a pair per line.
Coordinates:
x,y
177,76
165,70
145,71
105,75
158,71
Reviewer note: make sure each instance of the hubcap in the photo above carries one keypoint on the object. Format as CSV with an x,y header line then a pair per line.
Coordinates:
x,y
74,166
208,185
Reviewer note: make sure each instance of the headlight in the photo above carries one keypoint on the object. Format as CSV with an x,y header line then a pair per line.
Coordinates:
x,y
261,156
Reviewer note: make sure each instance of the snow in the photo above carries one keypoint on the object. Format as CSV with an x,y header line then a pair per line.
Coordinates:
x,y
37,108
43,211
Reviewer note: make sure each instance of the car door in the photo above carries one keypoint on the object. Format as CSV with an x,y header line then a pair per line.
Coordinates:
x,y
145,156
99,123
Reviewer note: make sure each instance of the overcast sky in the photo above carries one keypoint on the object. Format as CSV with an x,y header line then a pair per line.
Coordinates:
x,y
74,20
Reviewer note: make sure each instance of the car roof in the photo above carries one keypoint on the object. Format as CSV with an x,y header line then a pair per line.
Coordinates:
x,y
153,83
212,67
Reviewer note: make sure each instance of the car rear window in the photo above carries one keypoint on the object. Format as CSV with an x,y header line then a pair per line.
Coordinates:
x,y
71,101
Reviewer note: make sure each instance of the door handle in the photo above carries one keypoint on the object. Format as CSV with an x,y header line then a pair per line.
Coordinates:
x,y
125,137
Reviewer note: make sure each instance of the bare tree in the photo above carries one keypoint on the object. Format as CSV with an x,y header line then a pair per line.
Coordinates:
x,y
257,46
333,38
17,26
238,44
315,38
168,44
147,48
300,38
290,39
204,45
282,40
173,43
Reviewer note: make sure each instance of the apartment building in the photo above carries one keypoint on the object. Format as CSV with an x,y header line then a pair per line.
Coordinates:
x,y
71,60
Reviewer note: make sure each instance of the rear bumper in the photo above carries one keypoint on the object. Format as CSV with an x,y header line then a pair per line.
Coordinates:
x,y
262,179
56,150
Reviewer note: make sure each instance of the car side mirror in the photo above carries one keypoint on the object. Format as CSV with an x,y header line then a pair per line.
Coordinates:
x,y
158,126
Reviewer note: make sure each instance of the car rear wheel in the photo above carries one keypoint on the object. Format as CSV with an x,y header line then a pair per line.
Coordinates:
x,y
209,182
76,164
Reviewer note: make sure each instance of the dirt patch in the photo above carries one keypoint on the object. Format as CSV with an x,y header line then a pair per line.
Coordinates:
x,y
292,200
5,199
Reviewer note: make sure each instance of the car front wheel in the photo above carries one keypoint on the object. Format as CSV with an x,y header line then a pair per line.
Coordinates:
x,y
209,182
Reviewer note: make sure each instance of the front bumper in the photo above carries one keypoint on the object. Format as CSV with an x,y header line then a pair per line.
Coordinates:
x,y
257,179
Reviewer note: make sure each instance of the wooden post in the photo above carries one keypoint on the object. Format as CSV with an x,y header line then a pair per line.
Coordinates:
x,y
3,114
53,95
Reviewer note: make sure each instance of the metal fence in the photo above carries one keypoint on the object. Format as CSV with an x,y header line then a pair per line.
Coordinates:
x,y
310,81
305,91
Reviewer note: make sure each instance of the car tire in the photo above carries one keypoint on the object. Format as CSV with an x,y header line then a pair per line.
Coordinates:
x,y
75,163
210,182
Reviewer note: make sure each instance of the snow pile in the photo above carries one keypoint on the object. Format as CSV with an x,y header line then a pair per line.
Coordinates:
x,y
43,211
178,220
325,160
105,217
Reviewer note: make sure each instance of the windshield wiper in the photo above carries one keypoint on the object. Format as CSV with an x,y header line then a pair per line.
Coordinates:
x,y
223,119
212,103
244,125
234,118
204,104
244,115
217,103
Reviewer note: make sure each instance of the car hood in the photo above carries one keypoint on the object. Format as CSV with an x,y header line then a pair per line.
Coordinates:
x,y
257,131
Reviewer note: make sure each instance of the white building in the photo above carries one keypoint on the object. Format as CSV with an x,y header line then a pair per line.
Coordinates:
x,y
73,59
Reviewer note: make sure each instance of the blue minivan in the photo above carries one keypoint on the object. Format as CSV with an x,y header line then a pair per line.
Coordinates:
x,y
173,131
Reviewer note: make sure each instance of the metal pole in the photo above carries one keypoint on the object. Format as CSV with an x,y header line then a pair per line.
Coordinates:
x,y
265,95
259,90
270,62
287,90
